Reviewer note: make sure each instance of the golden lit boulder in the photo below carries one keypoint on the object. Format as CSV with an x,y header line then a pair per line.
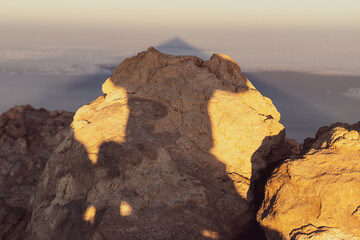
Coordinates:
x,y
317,196
172,150
27,138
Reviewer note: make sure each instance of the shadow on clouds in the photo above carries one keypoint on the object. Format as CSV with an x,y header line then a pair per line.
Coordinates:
x,y
308,101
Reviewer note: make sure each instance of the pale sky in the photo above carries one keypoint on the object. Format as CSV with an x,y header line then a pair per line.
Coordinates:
x,y
48,45
307,35
184,13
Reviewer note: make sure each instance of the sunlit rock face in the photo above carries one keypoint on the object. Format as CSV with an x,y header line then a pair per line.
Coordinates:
x,y
172,150
317,196
27,138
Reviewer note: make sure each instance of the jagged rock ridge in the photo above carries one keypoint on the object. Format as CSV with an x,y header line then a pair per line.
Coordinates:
x,y
172,150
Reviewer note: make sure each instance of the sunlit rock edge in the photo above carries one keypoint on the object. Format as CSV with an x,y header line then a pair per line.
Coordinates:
x,y
66,194
317,195
190,117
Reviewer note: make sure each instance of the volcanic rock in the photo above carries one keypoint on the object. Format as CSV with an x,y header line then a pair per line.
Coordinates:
x,y
317,196
27,138
172,150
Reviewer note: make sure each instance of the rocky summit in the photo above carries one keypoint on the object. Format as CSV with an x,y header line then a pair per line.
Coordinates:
x,y
28,136
317,196
176,148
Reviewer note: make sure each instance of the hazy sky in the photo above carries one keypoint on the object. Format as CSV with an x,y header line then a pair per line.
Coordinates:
x,y
48,46
185,13
310,35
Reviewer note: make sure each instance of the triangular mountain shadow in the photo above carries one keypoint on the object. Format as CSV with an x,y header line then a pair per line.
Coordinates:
x,y
88,87
178,46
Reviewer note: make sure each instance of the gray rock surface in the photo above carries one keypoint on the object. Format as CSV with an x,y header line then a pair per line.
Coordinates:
x,y
172,150
27,138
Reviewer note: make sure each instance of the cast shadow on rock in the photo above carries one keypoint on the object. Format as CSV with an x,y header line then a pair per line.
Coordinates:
x,y
161,181
155,172
275,156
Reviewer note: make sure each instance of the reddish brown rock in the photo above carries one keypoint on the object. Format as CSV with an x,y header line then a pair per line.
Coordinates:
x,y
171,151
294,146
27,138
318,195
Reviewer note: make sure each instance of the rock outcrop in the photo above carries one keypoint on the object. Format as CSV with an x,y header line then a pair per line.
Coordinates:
x,y
317,196
172,150
27,138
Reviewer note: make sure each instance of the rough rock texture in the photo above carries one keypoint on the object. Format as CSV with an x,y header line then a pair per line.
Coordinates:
x,y
173,150
294,146
318,195
27,138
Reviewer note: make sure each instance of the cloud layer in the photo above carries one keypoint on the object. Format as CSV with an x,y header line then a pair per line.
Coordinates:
x,y
353,93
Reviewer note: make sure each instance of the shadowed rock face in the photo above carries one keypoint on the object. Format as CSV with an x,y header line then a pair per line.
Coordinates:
x,y
172,150
27,138
318,195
